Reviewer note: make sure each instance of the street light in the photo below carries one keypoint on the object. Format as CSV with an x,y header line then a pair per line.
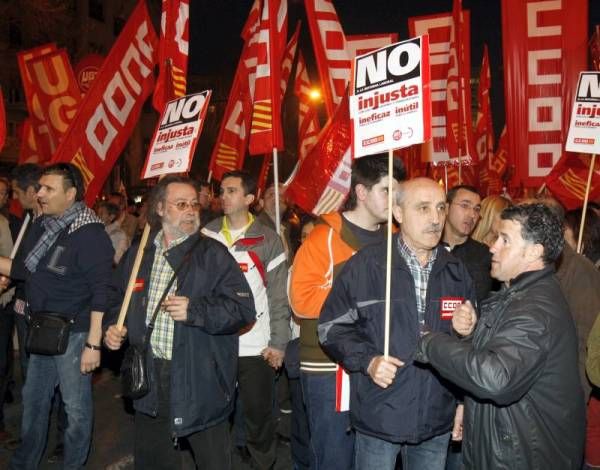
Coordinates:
x,y
315,94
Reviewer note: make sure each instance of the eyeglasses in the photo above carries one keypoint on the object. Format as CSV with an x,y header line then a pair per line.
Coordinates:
x,y
468,207
184,205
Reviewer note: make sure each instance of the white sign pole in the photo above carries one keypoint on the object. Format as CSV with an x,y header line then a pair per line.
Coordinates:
x,y
388,264
276,181
585,202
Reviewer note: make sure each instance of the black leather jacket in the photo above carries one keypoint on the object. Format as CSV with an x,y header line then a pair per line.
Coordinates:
x,y
524,407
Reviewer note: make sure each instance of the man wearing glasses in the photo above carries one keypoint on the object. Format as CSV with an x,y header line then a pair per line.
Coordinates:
x,y
463,208
464,205
194,344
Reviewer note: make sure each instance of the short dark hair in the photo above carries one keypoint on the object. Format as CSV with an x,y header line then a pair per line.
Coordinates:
x,y
539,224
112,209
71,175
368,171
451,194
27,175
159,194
248,181
591,231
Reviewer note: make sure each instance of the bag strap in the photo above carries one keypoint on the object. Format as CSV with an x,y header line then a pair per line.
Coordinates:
x,y
186,258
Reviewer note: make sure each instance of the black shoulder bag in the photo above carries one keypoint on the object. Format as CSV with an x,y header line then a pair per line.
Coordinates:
x,y
135,382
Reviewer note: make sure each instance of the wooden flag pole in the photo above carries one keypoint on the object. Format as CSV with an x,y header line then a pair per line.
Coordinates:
x,y
388,265
20,236
585,202
276,183
133,276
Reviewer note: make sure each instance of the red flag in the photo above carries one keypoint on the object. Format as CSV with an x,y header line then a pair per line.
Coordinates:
x,y
545,47
28,152
568,180
458,116
323,177
39,131
230,148
261,181
265,130
56,89
172,52
110,110
331,52
595,48
288,59
489,180
439,28
2,122
308,120
359,44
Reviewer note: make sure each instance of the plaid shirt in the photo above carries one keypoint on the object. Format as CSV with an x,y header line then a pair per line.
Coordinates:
x,y
420,275
164,326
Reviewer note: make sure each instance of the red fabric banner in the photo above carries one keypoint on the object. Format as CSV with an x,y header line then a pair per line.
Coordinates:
x,y
44,144
489,180
110,110
56,88
568,180
439,28
86,71
2,122
308,120
323,177
172,53
359,44
28,153
331,51
265,129
230,148
544,47
288,60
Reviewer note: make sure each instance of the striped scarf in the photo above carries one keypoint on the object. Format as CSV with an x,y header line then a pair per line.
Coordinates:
x,y
53,227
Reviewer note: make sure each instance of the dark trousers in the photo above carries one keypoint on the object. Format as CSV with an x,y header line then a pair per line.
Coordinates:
x,y
257,389
300,437
154,445
8,320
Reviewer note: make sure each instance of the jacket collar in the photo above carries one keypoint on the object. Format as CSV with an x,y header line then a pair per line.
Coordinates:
x,y
527,278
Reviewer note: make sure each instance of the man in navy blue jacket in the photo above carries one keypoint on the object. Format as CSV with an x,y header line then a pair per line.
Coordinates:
x,y
193,352
63,276
396,405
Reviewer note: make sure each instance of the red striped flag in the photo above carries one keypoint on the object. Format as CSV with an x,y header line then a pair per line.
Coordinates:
x,y
172,52
308,120
265,129
230,148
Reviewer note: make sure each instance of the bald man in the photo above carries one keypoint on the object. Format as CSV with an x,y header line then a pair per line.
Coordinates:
x,y
398,407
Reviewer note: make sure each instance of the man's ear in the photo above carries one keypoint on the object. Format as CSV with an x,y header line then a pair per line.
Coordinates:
x,y
71,193
361,192
160,208
249,199
534,252
397,213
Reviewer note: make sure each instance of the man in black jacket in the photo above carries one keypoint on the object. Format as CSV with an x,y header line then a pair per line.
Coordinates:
x,y
524,407
397,406
194,344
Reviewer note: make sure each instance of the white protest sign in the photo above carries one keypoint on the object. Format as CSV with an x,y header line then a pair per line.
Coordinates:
x,y
176,136
390,105
584,130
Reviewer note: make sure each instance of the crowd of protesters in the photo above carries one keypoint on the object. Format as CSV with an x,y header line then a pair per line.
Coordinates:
x,y
255,337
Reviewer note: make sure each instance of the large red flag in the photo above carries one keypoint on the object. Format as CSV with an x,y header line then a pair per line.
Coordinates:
x,y
323,177
288,60
265,130
2,122
230,148
28,153
56,89
568,180
331,52
172,52
308,120
545,47
110,110
39,130
489,180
